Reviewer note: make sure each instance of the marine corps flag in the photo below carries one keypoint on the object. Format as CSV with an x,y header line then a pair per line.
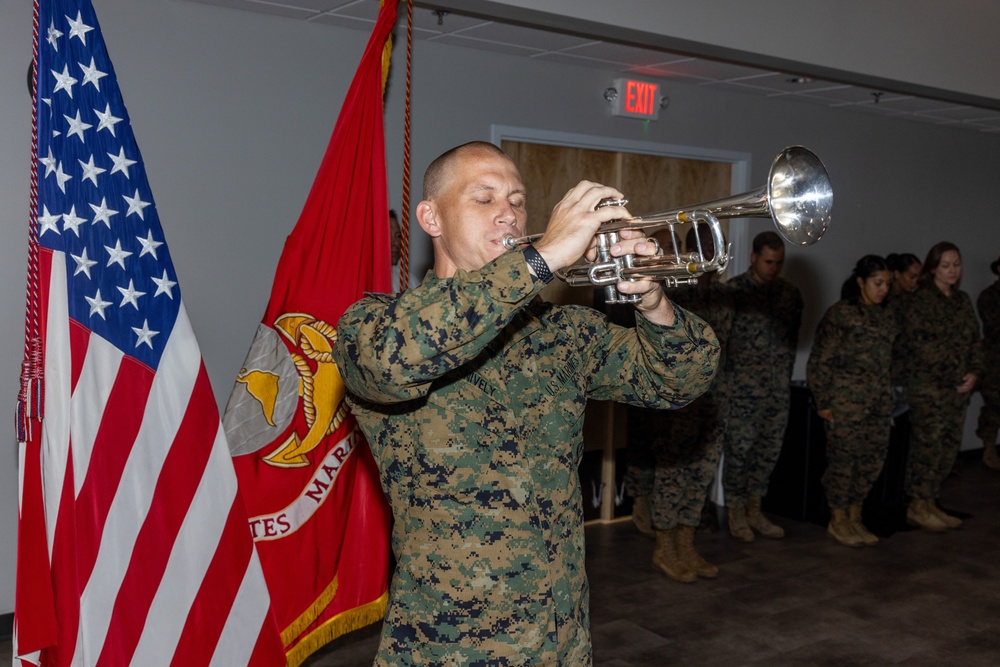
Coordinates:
x,y
317,512
132,539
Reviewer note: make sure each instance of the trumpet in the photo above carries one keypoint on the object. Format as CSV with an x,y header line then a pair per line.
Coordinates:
x,y
797,197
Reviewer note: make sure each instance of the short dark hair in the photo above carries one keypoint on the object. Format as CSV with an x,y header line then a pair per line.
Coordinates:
x,y
995,265
434,176
767,239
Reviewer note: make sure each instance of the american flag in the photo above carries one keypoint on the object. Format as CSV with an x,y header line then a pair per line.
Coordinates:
x,y
133,539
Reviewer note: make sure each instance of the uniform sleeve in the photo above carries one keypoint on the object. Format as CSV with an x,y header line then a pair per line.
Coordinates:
x,y
989,312
974,360
651,365
821,364
390,349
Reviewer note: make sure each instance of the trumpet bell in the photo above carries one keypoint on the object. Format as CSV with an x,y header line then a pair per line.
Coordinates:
x,y
800,195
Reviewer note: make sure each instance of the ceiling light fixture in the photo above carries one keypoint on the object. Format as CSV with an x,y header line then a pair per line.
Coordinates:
x,y
800,79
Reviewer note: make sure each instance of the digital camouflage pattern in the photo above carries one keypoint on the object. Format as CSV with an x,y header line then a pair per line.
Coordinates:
x,y
759,360
938,344
849,372
685,444
471,392
988,305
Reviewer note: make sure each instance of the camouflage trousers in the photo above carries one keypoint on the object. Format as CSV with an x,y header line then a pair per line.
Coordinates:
x,y
758,415
937,418
856,445
677,459
989,416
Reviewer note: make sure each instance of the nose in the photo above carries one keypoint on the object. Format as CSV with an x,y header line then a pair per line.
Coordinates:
x,y
507,215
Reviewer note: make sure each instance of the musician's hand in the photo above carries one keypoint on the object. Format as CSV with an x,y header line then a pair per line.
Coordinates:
x,y
968,383
655,305
825,415
574,222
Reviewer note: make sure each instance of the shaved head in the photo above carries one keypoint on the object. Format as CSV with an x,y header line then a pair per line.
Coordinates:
x,y
437,171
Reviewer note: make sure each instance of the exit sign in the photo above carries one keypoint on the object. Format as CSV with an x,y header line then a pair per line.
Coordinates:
x,y
636,99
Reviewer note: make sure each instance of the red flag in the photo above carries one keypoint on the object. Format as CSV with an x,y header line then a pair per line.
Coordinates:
x,y
132,541
317,511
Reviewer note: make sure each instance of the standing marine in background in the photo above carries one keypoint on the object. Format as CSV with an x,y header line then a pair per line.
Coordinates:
x,y
759,362
940,354
849,376
686,443
988,305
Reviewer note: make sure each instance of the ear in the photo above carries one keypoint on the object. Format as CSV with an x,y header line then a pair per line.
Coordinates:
x,y
426,215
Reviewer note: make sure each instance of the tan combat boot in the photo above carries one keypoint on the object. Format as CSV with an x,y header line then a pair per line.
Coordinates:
x,y
687,553
917,514
666,560
868,538
760,523
991,459
738,527
840,528
642,517
945,518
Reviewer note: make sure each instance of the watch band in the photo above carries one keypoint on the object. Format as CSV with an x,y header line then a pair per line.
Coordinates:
x,y
538,264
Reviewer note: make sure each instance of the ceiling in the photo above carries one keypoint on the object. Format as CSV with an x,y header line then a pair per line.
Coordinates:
x,y
466,31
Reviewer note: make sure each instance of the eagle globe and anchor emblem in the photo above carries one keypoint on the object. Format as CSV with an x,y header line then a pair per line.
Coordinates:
x,y
275,378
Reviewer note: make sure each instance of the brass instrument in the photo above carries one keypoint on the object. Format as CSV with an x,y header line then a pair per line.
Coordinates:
x,y
797,197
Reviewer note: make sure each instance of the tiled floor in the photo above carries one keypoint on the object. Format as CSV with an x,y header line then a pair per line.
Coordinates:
x,y
916,599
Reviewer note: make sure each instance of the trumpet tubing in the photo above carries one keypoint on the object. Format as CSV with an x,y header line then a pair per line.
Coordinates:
x,y
797,197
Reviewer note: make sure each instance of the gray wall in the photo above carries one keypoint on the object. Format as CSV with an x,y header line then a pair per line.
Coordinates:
x,y
233,111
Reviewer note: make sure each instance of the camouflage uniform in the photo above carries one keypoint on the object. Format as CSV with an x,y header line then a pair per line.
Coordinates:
x,y
849,372
686,443
988,305
472,393
938,344
759,361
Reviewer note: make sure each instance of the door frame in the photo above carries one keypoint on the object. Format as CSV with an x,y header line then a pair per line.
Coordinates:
x,y
739,231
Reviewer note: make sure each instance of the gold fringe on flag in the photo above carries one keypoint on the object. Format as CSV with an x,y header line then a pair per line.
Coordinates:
x,y
341,624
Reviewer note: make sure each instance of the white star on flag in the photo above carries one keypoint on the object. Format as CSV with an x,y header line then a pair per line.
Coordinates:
x,y
130,295
144,334
90,171
164,285
72,222
64,81
91,74
149,245
48,222
78,28
135,205
122,163
116,255
102,213
97,304
83,263
108,120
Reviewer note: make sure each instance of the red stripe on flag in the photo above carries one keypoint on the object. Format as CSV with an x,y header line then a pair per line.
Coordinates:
x,y
79,337
175,487
120,424
34,598
212,605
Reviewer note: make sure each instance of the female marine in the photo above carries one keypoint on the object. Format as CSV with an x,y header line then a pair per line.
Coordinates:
x,y
940,353
849,375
